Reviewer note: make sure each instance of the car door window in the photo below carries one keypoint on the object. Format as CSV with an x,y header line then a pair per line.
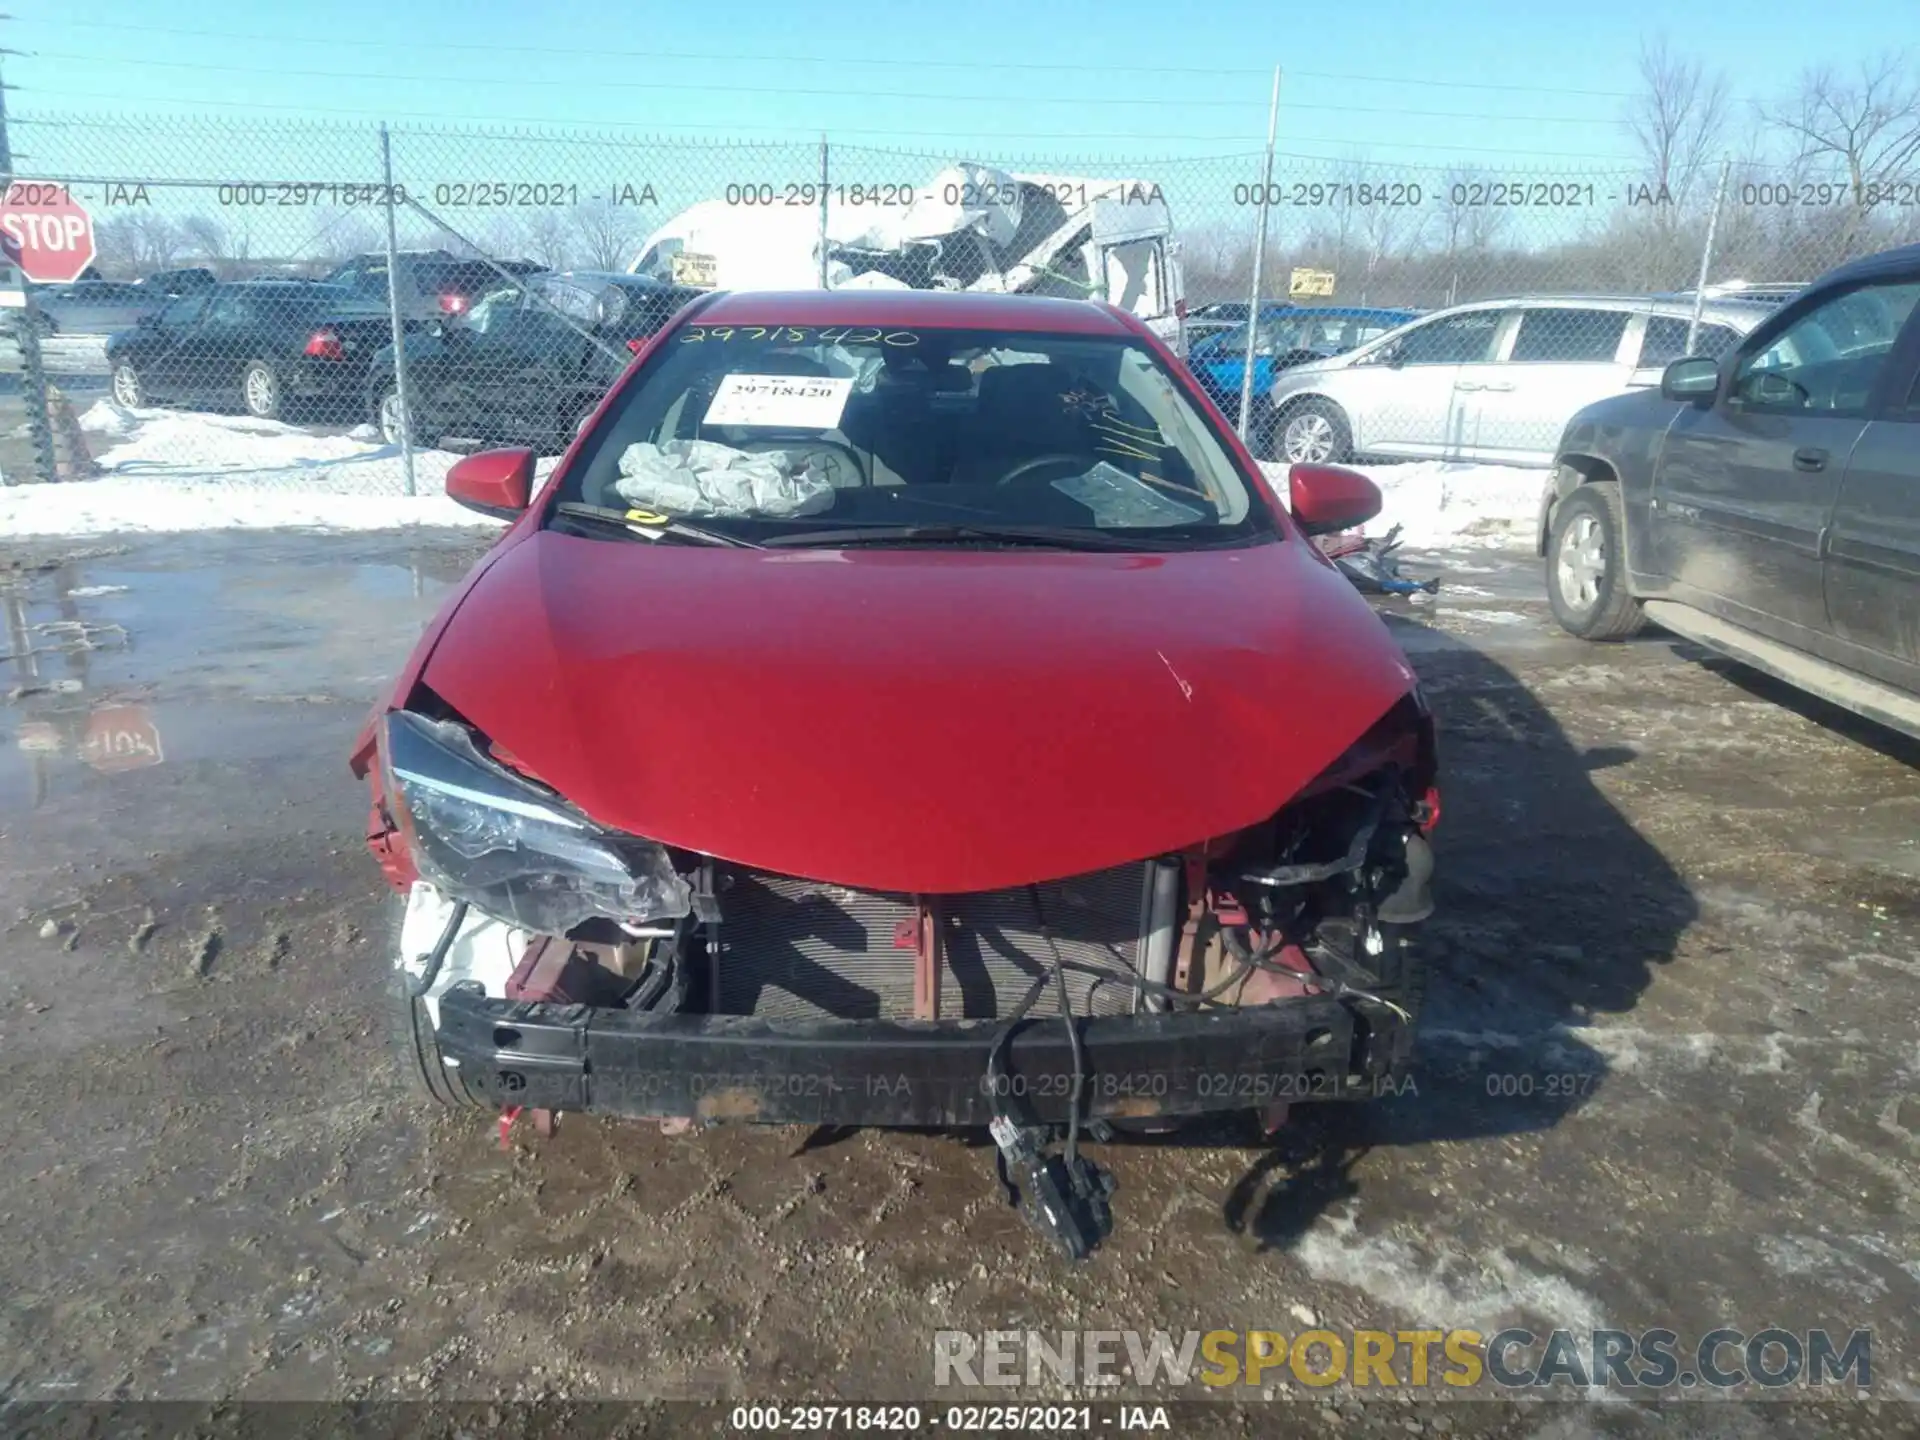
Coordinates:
x,y
229,312
183,314
1666,340
1568,336
493,312
1907,407
1457,340
576,302
1831,357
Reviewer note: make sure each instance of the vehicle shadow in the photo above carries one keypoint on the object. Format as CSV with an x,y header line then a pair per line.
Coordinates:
x,y
1553,912
1902,749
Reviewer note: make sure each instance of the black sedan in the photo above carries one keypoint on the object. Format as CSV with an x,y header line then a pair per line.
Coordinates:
x,y
264,345
1766,503
527,362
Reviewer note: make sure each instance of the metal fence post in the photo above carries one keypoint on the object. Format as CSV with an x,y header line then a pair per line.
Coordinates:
x,y
1706,253
823,211
33,374
393,311
1259,256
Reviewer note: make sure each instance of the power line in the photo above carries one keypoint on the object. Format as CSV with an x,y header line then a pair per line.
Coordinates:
x,y
1345,142
698,88
895,62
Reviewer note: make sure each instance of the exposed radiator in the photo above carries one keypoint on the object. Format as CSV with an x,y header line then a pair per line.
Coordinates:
x,y
801,949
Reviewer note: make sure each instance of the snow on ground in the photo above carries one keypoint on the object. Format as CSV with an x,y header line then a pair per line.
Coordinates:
x,y
1442,504
187,470
169,470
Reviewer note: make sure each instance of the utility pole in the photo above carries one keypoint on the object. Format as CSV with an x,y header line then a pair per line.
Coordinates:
x,y
27,330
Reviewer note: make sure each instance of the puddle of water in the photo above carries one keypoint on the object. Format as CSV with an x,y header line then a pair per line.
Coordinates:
x,y
161,660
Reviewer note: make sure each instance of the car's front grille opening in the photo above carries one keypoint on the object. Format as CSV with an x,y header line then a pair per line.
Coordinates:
x,y
799,949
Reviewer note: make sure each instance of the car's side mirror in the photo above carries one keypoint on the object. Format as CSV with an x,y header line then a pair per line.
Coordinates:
x,y
1330,498
494,482
1693,379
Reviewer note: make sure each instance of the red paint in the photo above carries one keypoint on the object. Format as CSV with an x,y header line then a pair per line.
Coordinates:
x,y
45,231
918,721
121,737
921,721
494,482
1327,498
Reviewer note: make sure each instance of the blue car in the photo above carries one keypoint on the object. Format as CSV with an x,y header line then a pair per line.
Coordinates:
x,y
1289,335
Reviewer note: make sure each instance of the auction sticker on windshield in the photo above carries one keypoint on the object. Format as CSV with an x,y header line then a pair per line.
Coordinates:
x,y
789,401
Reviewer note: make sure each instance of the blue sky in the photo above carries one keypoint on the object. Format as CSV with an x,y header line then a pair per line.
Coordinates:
x,y
1520,81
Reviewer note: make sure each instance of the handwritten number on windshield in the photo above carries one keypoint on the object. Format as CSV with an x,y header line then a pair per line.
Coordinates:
x,y
797,334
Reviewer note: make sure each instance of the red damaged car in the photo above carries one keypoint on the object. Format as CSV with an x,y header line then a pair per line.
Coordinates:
x,y
907,709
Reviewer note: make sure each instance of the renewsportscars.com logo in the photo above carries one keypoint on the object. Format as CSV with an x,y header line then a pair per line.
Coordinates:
x,y
1655,1359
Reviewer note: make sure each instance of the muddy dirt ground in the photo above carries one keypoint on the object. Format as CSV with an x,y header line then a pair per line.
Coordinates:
x,y
1692,892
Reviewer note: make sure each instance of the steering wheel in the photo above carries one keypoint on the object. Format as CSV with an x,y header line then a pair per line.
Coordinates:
x,y
1037,462
811,442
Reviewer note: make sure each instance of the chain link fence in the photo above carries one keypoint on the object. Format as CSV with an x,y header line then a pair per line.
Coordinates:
x,y
346,307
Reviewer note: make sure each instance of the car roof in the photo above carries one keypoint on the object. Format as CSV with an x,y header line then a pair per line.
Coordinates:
x,y
929,309
614,277
1350,311
1726,308
1900,260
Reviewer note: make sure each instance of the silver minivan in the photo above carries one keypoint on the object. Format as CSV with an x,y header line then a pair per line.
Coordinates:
x,y
1494,381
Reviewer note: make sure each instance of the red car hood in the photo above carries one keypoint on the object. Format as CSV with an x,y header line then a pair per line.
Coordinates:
x,y
918,720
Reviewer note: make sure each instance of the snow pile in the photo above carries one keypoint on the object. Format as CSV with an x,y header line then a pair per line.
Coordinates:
x,y
112,421
1440,504
193,445
167,470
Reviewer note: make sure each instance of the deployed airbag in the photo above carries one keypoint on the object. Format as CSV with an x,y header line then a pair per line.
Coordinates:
x,y
703,477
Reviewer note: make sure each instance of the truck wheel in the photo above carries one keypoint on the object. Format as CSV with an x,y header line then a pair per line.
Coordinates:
x,y
1315,431
416,1046
1586,565
260,391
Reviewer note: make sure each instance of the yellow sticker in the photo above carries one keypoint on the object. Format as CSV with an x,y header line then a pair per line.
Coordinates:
x,y
647,517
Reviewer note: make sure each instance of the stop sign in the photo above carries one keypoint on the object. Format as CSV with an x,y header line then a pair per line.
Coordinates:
x,y
46,232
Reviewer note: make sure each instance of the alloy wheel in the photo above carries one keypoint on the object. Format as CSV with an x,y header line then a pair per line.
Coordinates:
x,y
1309,438
1582,562
262,391
127,389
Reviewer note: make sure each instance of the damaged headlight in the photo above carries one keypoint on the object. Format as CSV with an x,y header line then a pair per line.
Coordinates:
x,y
482,834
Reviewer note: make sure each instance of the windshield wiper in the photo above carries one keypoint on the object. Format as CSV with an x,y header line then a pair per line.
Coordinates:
x,y
649,529
1050,537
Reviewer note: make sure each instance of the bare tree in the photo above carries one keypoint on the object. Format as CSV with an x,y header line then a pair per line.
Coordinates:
x,y
1861,128
606,233
1468,220
225,248
546,237
1867,124
135,241
1386,232
340,234
1679,120
115,244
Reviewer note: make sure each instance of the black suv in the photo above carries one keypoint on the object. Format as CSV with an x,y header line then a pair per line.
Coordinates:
x,y
433,283
1764,502
527,363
